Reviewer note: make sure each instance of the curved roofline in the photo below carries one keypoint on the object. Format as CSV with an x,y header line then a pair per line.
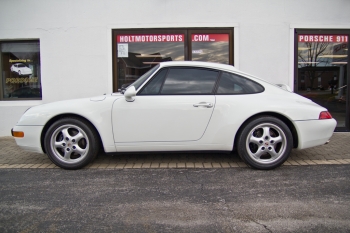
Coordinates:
x,y
198,64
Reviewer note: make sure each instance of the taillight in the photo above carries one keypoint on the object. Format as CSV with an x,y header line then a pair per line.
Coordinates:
x,y
325,115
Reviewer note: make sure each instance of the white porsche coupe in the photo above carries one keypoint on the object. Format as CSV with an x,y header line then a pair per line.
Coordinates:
x,y
179,106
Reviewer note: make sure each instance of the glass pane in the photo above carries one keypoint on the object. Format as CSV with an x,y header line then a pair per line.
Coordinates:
x,y
21,70
137,54
153,87
234,84
189,81
210,48
322,72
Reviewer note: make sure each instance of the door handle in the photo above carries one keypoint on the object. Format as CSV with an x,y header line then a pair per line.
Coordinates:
x,y
203,104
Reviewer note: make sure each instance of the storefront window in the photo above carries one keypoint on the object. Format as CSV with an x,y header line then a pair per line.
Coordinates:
x,y
138,50
20,66
322,72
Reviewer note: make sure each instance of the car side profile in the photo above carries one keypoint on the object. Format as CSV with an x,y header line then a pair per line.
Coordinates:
x,y
179,106
21,69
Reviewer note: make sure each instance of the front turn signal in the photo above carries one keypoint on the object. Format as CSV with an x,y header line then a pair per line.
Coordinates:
x,y
325,115
18,134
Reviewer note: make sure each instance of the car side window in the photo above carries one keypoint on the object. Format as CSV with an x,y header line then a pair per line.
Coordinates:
x,y
189,80
153,86
234,84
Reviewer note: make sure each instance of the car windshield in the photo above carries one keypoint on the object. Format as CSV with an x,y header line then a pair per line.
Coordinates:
x,y
21,65
143,78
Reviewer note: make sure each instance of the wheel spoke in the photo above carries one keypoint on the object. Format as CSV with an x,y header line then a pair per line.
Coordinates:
x,y
67,154
79,150
266,131
259,152
254,139
59,144
277,139
273,153
78,137
65,133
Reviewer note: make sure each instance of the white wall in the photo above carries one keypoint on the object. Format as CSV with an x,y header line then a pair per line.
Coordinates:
x,y
75,36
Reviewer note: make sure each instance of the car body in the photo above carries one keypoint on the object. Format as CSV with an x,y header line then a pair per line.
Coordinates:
x,y
179,106
21,69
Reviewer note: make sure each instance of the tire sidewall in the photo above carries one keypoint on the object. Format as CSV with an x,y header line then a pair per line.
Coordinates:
x,y
89,131
244,134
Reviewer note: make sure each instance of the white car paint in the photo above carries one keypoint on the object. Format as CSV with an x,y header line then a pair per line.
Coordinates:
x,y
173,123
21,69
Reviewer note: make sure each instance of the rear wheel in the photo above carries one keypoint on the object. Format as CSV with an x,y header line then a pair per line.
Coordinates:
x,y
265,142
71,143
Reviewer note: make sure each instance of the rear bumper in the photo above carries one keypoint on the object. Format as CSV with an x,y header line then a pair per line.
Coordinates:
x,y
314,132
31,140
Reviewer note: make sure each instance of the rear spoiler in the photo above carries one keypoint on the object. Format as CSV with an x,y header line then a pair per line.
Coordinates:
x,y
284,87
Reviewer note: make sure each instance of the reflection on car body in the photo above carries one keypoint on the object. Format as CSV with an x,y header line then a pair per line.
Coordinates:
x,y
179,106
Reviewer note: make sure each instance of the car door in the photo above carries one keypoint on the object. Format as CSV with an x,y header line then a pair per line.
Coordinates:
x,y
175,106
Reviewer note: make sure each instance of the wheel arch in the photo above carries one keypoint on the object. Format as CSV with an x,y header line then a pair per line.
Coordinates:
x,y
279,116
55,118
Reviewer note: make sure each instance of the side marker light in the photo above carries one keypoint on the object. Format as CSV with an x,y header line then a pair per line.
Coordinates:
x,y
18,134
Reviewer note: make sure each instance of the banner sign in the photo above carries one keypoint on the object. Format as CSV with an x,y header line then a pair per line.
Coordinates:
x,y
323,38
150,38
209,37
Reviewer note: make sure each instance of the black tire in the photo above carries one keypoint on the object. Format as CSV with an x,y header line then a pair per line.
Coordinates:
x,y
71,143
265,142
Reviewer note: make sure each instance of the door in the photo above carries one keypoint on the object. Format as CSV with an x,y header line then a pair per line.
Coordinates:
x,y
175,105
161,118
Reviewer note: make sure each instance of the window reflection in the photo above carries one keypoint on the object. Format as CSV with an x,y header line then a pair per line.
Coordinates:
x,y
141,54
210,47
234,84
189,81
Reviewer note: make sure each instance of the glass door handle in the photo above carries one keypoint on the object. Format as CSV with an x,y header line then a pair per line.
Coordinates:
x,y
203,104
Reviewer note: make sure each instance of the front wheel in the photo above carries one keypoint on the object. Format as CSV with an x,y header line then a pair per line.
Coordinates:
x,y
265,142
71,143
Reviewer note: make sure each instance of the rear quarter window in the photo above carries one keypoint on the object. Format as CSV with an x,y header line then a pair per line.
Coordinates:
x,y
233,84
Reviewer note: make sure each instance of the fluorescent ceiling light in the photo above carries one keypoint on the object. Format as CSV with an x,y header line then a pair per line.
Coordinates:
x,y
148,55
339,62
150,63
308,62
303,48
334,56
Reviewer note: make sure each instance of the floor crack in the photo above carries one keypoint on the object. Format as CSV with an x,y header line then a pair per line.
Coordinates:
x,y
261,224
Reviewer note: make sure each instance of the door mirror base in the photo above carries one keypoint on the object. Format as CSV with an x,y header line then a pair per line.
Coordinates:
x,y
130,94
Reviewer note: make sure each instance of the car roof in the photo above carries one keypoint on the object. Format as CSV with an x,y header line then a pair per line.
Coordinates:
x,y
198,64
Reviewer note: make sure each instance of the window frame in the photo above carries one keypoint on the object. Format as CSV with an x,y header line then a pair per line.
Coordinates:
x,y
2,86
180,67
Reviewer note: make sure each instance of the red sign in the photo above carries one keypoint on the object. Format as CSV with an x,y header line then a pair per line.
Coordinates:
x,y
150,38
209,37
323,38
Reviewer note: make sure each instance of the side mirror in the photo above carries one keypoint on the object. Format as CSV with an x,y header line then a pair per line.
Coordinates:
x,y
130,93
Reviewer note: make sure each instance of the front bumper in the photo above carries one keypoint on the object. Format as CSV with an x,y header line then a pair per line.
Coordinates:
x,y
31,141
